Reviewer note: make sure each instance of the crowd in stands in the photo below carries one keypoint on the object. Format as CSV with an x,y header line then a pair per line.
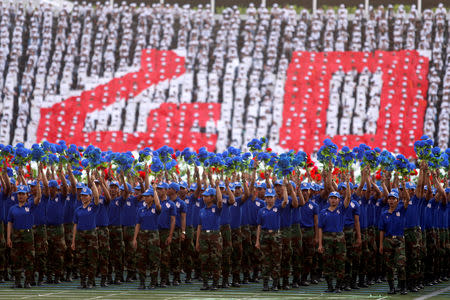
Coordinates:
x,y
47,55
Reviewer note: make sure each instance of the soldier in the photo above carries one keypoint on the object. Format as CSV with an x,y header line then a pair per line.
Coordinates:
x,y
297,239
166,226
55,228
392,241
128,219
179,233
84,234
3,218
332,239
20,234
225,231
209,243
268,236
188,243
146,238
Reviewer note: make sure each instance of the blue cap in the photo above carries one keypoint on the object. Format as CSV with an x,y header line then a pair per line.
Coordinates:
x,y
447,190
80,185
400,186
305,186
138,187
13,181
232,186
279,182
209,192
174,186
193,187
434,190
149,192
163,185
293,184
321,187
222,184
342,186
130,188
183,185
393,194
353,185
269,193
394,190
114,183
53,183
22,189
365,187
261,185
86,191
334,194
32,183
237,184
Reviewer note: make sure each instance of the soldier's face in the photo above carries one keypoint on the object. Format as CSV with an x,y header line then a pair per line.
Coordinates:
x,y
182,192
392,201
278,189
207,200
261,192
161,193
269,200
305,194
148,200
334,201
114,190
85,199
238,191
22,197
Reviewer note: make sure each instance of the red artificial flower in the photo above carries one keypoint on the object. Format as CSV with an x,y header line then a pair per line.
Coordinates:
x,y
142,174
28,169
413,172
261,174
174,156
336,171
269,149
378,176
177,169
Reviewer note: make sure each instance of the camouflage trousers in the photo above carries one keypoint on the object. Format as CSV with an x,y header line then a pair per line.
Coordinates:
x,y
254,253
210,253
423,254
103,249
188,251
431,260
129,258
165,254
353,254
297,246
175,250
225,232
334,255
148,254
68,254
286,251
118,247
380,263
56,250
2,248
247,250
270,243
442,251
368,252
307,250
413,238
86,244
236,255
41,249
22,253
394,256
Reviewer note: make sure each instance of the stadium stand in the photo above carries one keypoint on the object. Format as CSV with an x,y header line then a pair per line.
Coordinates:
x,y
132,74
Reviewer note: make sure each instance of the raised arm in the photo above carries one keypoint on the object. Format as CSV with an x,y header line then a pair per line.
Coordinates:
x,y
285,194
156,197
291,192
64,187
104,187
440,189
95,193
230,194
73,182
405,194
46,191
199,183
126,191
219,195
347,193
246,190
38,196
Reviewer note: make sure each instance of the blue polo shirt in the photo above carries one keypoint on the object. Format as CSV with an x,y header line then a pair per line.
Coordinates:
x,y
10,200
269,219
39,212
2,207
114,208
393,223
199,204
236,213
210,218
363,222
352,211
422,208
128,211
429,213
85,217
69,208
168,210
333,221
252,208
297,215
442,216
370,211
244,213
102,218
55,210
181,207
412,218
225,217
22,217
147,217
190,204
308,211
286,212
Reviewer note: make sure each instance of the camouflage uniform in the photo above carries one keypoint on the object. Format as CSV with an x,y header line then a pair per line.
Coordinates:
x,y
165,255
116,243
442,251
308,250
2,249
431,254
286,251
225,231
87,251
175,251
68,254
148,254
412,250
353,254
236,254
41,248
394,255
210,250
365,253
248,251
271,250
334,255
130,252
254,253
103,249
22,253
372,251
297,251
188,251
56,249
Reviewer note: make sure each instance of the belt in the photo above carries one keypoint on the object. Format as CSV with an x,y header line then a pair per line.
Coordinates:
x,y
270,230
102,227
38,226
211,231
395,236
53,226
149,230
22,230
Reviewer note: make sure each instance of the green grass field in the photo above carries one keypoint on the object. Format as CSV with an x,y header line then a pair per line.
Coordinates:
x,y
192,291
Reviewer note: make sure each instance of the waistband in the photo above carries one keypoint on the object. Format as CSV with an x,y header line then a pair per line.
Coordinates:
x,y
53,226
22,230
39,226
115,227
102,227
210,231
270,231
148,231
337,234
411,228
87,231
395,237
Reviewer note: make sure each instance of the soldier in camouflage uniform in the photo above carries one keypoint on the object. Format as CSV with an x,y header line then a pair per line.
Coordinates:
x,y
187,244
146,238
20,235
392,241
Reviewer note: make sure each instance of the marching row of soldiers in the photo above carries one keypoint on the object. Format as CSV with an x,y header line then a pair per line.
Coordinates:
x,y
221,227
